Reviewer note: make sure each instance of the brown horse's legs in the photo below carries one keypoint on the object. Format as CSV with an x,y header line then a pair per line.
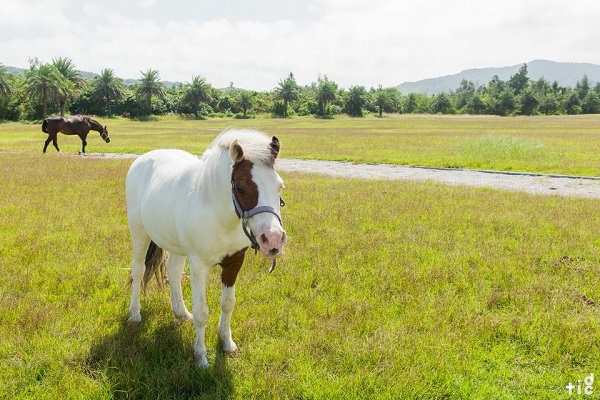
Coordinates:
x,y
51,138
83,143
47,143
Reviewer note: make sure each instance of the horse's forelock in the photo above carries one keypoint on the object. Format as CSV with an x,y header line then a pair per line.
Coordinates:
x,y
256,145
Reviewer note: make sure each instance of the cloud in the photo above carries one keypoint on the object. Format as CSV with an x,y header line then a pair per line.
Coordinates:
x,y
145,3
354,43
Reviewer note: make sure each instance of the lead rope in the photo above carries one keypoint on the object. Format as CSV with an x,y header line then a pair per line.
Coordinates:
x,y
274,261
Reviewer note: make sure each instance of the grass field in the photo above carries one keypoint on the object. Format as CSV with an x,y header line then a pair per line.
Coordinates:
x,y
557,144
387,289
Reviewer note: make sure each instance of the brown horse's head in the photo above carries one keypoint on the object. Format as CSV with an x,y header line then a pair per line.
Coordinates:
x,y
104,134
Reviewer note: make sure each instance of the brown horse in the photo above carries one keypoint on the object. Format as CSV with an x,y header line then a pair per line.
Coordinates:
x,y
79,125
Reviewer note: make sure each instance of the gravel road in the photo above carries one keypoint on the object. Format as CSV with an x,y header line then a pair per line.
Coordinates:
x,y
530,183
523,182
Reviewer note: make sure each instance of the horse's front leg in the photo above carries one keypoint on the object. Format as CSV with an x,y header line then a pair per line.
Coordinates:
x,y
231,265
83,144
227,306
198,276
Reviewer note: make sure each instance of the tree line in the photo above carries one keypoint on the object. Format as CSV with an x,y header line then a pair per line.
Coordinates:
x,y
58,88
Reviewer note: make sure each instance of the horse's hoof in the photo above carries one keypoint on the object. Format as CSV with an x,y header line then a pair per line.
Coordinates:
x,y
135,319
230,353
202,361
228,346
185,316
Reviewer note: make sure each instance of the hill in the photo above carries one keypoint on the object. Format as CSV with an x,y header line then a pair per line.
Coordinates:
x,y
566,74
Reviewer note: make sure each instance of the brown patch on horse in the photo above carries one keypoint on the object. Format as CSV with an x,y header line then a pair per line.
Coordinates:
x,y
244,187
231,265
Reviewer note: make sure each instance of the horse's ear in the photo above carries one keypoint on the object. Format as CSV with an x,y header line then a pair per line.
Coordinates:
x,y
236,152
274,147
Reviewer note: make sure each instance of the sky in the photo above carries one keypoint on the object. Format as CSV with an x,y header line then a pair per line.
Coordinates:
x,y
256,43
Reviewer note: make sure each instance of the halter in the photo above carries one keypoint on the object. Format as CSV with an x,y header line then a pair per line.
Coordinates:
x,y
245,215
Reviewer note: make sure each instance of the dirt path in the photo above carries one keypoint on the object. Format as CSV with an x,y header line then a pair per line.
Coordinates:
x,y
530,183
523,182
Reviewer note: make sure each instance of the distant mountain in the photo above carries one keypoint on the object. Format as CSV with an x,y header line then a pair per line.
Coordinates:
x,y
15,71
566,74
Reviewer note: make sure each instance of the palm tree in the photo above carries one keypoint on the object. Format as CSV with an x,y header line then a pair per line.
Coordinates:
x,y
106,87
591,103
288,92
245,100
504,104
357,99
197,92
442,104
411,104
44,82
476,105
149,86
528,102
382,99
6,86
67,69
571,102
326,93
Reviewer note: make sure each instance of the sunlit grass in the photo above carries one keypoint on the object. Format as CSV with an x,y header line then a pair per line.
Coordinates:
x,y
504,152
555,144
386,290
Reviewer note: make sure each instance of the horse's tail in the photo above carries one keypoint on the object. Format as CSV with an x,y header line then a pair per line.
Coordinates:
x,y
45,126
155,262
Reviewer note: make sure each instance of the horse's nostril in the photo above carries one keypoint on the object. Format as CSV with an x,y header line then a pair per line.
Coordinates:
x,y
264,239
273,251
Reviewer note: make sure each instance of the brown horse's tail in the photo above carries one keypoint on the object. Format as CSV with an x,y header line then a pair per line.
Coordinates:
x,y
45,126
155,262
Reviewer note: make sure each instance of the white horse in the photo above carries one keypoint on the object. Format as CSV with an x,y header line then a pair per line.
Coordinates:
x,y
208,209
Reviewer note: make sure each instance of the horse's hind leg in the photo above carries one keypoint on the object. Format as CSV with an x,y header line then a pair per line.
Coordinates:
x,y
51,138
140,247
175,264
55,142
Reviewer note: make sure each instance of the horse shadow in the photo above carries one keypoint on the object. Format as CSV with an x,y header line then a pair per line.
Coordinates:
x,y
139,361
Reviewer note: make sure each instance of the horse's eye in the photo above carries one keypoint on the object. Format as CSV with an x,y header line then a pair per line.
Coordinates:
x,y
239,191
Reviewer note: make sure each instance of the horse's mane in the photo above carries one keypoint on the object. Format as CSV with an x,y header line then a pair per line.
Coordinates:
x,y
92,122
256,145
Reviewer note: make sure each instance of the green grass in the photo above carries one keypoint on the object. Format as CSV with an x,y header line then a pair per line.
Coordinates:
x,y
387,290
556,144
